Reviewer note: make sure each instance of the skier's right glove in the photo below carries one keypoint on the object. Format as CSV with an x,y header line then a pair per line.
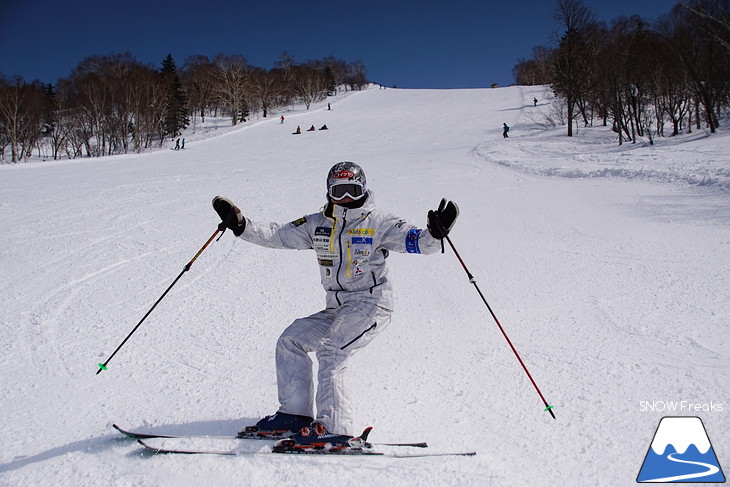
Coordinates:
x,y
230,215
442,220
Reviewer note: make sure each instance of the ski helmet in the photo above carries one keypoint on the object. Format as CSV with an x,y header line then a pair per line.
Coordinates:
x,y
346,179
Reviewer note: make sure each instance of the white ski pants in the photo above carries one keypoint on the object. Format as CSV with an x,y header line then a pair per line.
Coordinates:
x,y
333,335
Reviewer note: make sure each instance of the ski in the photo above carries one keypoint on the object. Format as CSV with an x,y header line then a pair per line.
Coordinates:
x,y
161,449
244,435
138,435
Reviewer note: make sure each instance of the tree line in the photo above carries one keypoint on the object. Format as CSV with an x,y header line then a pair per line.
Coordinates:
x,y
644,79
114,104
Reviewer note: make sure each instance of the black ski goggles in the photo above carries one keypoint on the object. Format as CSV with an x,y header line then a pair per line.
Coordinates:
x,y
340,191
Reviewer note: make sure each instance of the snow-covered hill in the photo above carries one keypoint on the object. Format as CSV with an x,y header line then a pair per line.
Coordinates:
x,y
608,266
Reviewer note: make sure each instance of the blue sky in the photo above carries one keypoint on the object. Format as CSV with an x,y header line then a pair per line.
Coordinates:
x,y
411,44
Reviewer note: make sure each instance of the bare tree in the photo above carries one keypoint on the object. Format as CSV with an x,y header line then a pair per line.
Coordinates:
x,y
717,13
21,116
704,60
356,75
231,74
266,88
308,83
198,79
11,101
574,52
535,71
285,63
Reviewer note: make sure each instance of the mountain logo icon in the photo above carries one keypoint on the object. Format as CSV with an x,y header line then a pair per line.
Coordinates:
x,y
681,452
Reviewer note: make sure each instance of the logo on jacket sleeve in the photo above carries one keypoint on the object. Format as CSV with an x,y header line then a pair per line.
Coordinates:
x,y
299,221
412,241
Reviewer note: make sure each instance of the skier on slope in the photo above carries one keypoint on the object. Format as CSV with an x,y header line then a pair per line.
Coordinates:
x,y
351,239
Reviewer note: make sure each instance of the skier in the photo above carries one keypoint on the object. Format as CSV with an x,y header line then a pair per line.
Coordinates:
x,y
506,129
534,100
351,239
323,127
298,130
182,146
282,119
177,144
311,129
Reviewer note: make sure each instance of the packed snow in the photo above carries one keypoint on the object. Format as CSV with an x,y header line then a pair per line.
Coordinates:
x,y
607,265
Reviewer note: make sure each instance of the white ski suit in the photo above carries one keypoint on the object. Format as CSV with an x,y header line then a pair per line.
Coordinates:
x,y
351,247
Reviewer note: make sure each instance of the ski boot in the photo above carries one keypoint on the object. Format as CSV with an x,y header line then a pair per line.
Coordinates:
x,y
316,439
276,426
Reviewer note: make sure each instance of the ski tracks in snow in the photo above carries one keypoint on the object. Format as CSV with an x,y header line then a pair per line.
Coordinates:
x,y
64,309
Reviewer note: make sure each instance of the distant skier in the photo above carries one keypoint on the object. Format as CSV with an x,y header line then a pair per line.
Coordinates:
x,y
182,146
177,144
351,239
298,130
506,129
323,127
329,107
282,119
534,100
311,129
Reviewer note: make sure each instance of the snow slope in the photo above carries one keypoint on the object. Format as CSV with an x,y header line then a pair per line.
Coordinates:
x,y
608,267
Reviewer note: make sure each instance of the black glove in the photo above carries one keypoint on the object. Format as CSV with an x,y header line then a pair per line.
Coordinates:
x,y
440,221
230,214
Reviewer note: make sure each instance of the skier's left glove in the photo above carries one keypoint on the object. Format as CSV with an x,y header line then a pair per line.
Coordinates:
x,y
230,215
442,220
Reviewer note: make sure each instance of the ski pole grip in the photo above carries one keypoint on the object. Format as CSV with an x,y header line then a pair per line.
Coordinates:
x,y
222,226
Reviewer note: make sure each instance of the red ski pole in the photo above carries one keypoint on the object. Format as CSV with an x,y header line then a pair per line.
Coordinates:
x,y
548,407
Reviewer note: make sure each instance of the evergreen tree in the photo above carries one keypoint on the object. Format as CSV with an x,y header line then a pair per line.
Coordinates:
x,y
50,105
176,113
329,79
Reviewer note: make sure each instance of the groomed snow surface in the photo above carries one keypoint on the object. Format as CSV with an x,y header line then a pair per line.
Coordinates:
x,y
608,266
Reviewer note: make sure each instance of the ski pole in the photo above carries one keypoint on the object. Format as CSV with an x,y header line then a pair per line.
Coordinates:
x,y
221,229
474,281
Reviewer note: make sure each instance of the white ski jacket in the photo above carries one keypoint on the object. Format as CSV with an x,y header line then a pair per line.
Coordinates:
x,y
351,247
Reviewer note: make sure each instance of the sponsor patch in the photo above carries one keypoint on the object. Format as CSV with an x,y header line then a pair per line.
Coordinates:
x,y
412,241
299,221
326,262
362,231
325,254
362,241
323,231
321,245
